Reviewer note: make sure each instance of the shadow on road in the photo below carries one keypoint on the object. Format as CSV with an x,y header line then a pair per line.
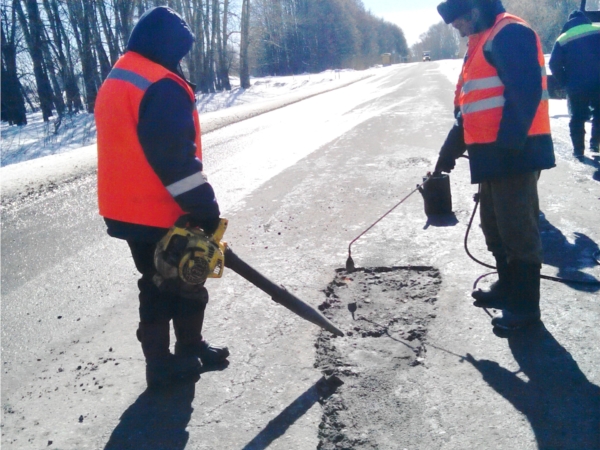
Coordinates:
x,y
562,406
157,420
441,220
277,427
569,258
593,161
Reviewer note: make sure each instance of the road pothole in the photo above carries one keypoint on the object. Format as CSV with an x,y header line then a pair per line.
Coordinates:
x,y
385,312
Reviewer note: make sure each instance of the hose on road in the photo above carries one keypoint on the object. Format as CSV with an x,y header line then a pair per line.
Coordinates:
x,y
545,277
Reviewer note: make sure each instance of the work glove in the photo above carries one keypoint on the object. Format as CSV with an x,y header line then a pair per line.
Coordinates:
x,y
453,148
445,163
208,224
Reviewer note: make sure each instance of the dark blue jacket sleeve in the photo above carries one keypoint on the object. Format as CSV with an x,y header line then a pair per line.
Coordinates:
x,y
167,134
515,57
557,64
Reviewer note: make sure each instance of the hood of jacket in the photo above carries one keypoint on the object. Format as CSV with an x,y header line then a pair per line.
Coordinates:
x,y
162,36
575,19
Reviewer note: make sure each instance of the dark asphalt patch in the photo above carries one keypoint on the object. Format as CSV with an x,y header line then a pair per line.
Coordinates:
x,y
385,312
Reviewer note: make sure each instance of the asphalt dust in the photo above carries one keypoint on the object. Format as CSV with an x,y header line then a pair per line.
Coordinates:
x,y
387,312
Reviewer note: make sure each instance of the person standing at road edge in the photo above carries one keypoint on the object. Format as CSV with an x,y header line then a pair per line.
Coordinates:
x,y
575,64
150,173
502,121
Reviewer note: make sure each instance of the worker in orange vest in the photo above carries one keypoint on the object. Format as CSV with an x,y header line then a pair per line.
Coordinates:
x,y
504,125
150,172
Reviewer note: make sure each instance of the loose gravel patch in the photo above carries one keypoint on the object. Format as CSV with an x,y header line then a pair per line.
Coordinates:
x,y
385,312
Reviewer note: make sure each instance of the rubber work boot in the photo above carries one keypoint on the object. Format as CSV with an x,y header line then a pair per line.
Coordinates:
x,y
595,139
497,296
524,307
578,145
188,331
162,367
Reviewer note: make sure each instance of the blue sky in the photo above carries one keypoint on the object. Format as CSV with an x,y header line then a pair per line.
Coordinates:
x,y
413,16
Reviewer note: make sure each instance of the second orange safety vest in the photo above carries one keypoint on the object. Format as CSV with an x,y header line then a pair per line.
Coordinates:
x,y
481,98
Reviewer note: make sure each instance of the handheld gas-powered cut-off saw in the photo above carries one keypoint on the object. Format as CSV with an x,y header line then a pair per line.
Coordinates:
x,y
187,253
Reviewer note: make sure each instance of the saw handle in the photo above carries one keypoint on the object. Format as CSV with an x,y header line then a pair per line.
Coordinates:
x,y
184,221
220,231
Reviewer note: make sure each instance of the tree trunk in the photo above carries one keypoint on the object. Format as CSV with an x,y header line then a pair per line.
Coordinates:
x,y
66,72
215,38
32,29
245,31
111,40
49,65
123,10
190,13
223,69
90,13
11,92
89,65
208,71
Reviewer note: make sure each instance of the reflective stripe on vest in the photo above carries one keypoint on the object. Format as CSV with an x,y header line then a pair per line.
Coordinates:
x,y
482,95
128,188
580,31
130,77
187,184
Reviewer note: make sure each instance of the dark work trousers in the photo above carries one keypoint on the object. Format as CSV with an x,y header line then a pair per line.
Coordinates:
x,y
582,107
158,305
510,218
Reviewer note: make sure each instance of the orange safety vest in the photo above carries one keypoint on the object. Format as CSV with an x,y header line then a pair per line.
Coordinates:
x,y
481,97
128,188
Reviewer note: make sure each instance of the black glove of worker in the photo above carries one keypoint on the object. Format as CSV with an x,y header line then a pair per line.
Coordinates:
x,y
445,163
453,148
202,207
208,224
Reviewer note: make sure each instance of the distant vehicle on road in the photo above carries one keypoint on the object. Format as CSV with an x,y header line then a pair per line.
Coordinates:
x,y
426,56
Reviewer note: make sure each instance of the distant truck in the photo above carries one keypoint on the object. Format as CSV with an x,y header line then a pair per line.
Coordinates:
x,y
426,56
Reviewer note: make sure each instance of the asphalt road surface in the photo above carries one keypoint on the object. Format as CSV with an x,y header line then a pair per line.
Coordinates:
x,y
297,185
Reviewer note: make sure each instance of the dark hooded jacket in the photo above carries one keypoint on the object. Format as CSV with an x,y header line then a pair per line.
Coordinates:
x,y
166,128
514,55
575,59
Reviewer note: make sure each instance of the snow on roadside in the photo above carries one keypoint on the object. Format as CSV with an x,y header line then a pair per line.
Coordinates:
x,y
38,138
267,88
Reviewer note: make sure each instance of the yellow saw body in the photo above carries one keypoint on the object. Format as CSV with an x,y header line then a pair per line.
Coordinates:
x,y
189,254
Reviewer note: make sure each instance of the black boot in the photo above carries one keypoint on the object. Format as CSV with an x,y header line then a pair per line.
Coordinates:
x,y
497,296
523,309
578,140
162,367
188,331
595,139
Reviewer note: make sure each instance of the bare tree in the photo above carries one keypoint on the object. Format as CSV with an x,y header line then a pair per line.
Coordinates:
x,y
223,71
123,11
60,45
83,36
32,28
114,48
245,33
11,92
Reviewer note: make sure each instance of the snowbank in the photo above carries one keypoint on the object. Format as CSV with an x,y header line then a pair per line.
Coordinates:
x,y
34,159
